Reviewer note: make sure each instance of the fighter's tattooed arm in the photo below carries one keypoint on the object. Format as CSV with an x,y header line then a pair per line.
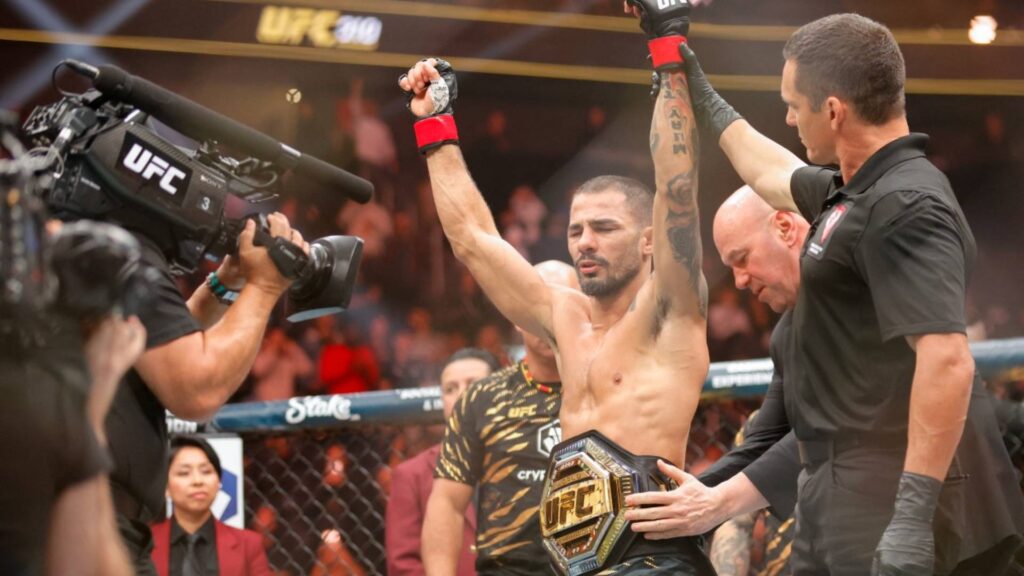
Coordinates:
x,y
678,252
730,548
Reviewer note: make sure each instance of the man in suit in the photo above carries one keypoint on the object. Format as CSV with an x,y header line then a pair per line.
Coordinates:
x,y
192,542
412,480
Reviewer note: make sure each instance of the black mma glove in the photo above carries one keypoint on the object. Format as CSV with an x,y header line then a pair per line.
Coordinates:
x,y
713,113
438,127
666,23
907,547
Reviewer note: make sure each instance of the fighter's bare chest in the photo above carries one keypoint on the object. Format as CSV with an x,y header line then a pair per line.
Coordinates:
x,y
600,362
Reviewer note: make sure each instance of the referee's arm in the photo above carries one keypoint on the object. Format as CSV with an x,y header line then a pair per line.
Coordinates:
x,y
939,399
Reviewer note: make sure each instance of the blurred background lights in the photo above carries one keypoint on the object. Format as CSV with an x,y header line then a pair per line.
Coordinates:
x,y
983,29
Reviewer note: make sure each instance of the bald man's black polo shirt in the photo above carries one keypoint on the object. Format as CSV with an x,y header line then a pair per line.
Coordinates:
x,y
887,256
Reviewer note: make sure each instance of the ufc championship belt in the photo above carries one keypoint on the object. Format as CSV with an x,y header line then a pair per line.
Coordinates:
x,y
584,501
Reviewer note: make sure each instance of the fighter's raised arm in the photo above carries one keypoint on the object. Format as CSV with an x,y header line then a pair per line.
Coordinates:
x,y
505,276
679,288
679,285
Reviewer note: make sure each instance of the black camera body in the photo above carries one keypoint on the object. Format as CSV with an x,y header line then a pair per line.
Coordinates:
x,y
112,165
129,174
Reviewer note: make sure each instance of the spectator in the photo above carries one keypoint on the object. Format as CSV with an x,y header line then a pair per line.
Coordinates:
x,y
529,211
375,145
278,363
369,221
334,558
347,363
730,330
192,541
491,338
425,344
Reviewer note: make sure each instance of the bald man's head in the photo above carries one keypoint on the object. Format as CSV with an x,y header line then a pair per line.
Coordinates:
x,y
762,247
558,273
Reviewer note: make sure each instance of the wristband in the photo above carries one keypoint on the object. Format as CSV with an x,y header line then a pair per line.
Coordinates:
x,y
223,294
665,51
434,131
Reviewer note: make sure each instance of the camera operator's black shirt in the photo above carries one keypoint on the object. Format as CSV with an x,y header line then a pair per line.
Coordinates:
x,y
46,441
137,425
888,255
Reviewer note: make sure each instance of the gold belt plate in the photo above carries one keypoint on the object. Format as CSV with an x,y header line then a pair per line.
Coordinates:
x,y
583,505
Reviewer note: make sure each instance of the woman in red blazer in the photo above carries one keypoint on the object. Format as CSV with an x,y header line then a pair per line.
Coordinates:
x,y
192,541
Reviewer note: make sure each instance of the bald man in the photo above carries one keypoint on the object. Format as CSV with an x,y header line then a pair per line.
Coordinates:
x,y
980,511
498,442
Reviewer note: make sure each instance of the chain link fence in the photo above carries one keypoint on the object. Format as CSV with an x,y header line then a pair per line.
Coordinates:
x,y
318,497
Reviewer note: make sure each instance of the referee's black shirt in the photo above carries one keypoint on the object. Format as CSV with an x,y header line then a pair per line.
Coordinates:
x,y
888,255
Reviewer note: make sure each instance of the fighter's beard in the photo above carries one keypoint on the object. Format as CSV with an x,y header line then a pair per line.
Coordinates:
x,y
609,286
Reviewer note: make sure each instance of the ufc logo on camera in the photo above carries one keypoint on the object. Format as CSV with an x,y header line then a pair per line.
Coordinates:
x,y
170,176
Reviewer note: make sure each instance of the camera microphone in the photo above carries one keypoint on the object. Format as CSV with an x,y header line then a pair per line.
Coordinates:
x,y
201,123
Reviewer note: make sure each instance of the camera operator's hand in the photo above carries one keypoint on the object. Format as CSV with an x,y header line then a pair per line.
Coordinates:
x,y
257,268
229,273
112,348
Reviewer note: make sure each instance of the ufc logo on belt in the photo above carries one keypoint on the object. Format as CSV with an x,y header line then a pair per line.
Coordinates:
x,y
575,502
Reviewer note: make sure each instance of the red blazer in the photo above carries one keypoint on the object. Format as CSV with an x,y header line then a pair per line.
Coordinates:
x,y
239,552
411,482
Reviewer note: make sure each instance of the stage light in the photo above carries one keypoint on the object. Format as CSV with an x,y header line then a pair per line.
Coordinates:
x,y
294,95
983,29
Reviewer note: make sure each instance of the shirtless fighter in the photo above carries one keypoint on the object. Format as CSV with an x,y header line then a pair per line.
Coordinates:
x,y
631,347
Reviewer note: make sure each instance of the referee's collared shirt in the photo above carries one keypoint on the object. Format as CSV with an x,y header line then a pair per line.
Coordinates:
x,y
888,255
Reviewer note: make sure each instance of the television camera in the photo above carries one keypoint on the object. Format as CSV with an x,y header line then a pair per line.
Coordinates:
x,y
107,160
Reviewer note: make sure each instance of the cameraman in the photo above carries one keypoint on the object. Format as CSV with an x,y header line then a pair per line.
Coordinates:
x,y
197,354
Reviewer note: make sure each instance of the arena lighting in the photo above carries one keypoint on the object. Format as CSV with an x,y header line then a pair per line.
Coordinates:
x,y
983,29
43,16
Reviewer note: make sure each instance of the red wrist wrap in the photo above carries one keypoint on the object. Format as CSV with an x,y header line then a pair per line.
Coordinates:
x,y
434,131
665,51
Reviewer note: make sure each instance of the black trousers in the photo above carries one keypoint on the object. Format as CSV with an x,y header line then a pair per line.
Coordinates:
x,y
845,502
